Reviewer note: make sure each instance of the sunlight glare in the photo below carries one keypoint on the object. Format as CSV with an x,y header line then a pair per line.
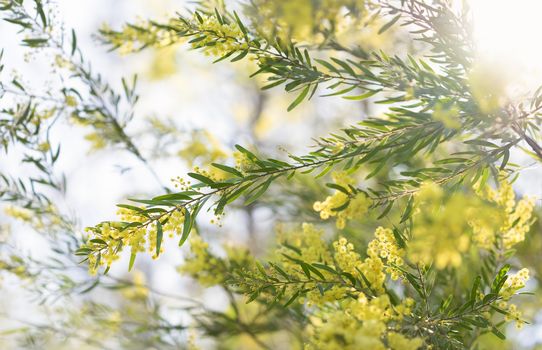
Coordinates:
x,y
508,34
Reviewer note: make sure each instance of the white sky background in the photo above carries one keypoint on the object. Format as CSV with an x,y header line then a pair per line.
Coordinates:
x,y
95,184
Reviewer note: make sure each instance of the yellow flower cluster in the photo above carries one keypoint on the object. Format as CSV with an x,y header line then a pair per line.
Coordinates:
x,y
357,206
385,246
219,39
376,309
140,34
331,295
346,257
517,223
514,219
138,238
513,314
362,323
373,267
180,183
514,283
201,264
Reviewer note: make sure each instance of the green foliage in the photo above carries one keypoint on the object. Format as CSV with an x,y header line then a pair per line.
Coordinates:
x,y
429,170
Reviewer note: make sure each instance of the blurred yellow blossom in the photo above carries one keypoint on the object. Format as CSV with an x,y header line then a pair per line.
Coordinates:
x,y
488,86
204,147
449,116
398,341
440,233
200,264
357,204
138,290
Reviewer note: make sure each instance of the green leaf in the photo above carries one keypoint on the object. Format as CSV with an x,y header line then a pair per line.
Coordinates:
x,y
326,64
132,260
483,143
239,23
343,91
91,287
262,189
342,206
83,251
498,333
228,169
451,160
363,96
201,178
305,268
344,65
180,196
408,209
325,267
187,227
98,241
273,84
224,56
240,56
292,299
131,207
307,57
74,42
159,236
235,194
398,237
338,188
279,270
506,157
35,42
385,211
246,152
389,24
475,286
315,270
299,98
219,17
499,280
41,13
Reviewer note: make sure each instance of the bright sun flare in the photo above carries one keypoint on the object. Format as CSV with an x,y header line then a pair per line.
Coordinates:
x,y
508,33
